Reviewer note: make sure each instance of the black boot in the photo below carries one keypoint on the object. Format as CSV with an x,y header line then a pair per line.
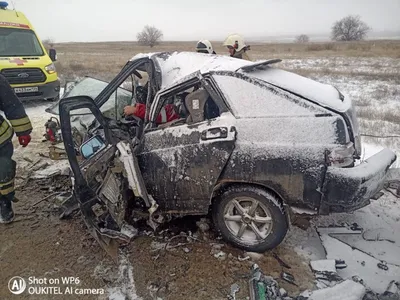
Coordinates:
x,y
6,211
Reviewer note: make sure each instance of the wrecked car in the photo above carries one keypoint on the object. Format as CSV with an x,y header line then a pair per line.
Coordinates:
x,y
253,142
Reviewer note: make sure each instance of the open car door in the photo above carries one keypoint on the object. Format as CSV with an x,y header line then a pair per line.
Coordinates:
x,y
104,172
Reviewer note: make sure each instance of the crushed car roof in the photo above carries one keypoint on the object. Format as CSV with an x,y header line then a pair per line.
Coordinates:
x,y
178,66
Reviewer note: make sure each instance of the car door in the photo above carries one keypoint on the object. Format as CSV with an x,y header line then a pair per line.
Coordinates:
x,y
181,164
99,182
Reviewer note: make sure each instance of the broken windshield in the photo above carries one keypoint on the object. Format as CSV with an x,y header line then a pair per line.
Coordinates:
x,y
92,87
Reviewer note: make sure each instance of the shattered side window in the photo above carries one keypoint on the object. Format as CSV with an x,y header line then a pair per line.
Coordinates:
x,y
92,87
251,100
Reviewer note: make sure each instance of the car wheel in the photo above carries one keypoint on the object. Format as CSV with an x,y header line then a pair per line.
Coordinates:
x,y
250,218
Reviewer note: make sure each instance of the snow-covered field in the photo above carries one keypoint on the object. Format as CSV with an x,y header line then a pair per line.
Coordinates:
x,y
374,85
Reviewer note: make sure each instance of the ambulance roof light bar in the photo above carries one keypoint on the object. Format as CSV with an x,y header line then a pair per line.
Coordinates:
x,y
3,5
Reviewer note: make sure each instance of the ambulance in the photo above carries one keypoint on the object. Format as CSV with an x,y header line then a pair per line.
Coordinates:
x,y
24,60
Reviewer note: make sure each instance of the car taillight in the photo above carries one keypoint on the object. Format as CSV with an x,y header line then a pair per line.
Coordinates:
x,y
341,156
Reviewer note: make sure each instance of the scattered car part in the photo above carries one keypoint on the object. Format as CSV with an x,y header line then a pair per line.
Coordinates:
x,y
280,261
52,131
57,153
355,227
377,196
288,277
68,207
263,287
243,258
323,265
256,287
358,279
234,289
383,265
338,230
393,287
340,264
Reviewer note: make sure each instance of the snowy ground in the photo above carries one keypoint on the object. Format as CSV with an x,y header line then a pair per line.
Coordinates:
x,y
378,100
374,86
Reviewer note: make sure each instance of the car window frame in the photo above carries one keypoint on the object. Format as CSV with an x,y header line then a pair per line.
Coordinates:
x,y
125,72
196,78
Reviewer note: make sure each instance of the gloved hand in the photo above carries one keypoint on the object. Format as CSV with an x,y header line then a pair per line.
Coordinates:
x,y
24,140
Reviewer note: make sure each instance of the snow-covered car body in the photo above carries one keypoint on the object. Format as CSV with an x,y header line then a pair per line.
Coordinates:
x,y
274,131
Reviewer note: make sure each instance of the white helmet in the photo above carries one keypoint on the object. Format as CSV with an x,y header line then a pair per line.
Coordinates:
x,y
204,46
236,41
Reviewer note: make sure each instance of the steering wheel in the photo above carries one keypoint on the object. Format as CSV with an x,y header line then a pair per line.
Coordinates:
x,y
131,120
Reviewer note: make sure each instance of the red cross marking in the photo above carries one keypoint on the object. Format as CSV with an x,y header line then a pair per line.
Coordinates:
x,y
18,61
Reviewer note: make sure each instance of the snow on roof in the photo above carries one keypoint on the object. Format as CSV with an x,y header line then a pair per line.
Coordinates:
x,y
324,94
177,65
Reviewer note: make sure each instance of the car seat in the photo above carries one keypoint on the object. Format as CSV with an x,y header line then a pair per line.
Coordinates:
x,y
195,103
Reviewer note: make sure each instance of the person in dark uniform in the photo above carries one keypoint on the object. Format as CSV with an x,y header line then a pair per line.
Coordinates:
x,y
52,53
21,125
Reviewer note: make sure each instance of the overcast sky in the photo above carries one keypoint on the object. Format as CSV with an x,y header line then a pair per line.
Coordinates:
x,y
116,20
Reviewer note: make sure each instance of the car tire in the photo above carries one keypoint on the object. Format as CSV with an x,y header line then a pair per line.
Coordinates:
x,y
265,225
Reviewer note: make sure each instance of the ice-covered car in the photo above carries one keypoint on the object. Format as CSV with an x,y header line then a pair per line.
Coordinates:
x,y
252,143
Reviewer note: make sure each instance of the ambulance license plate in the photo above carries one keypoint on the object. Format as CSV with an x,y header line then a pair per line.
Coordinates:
x,y
26,90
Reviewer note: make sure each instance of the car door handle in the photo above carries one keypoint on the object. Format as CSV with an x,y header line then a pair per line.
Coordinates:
x,y
214,133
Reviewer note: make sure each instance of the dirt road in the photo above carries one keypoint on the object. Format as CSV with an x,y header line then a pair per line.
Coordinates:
x,y
164,265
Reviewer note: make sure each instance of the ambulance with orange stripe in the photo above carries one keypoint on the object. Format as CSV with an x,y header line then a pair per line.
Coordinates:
x,y
23,58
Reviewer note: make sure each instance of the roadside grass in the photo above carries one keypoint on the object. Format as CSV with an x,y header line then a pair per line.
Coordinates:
x,y
361,62
105,59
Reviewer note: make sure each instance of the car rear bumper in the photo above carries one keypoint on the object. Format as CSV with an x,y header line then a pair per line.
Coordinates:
x,y
348,189
48,91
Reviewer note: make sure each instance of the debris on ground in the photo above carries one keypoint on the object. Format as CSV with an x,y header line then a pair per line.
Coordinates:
x,y
243,258
325,272
220,255
383,265
280,261
288,278
234,289
370,262
254,255
203,225
346,290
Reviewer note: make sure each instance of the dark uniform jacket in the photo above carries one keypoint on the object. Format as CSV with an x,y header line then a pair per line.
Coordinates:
x,y
14,112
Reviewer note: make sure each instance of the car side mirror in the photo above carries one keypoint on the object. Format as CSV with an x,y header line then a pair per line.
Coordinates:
x,y
92,146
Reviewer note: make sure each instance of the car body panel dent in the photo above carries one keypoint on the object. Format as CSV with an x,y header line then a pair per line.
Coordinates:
x,y
181,165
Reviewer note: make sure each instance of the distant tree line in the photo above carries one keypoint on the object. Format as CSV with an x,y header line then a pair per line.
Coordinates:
x,y
350,28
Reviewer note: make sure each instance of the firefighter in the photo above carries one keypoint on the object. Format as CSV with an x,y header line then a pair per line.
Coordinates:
x,y
236,46
204,46
21,125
